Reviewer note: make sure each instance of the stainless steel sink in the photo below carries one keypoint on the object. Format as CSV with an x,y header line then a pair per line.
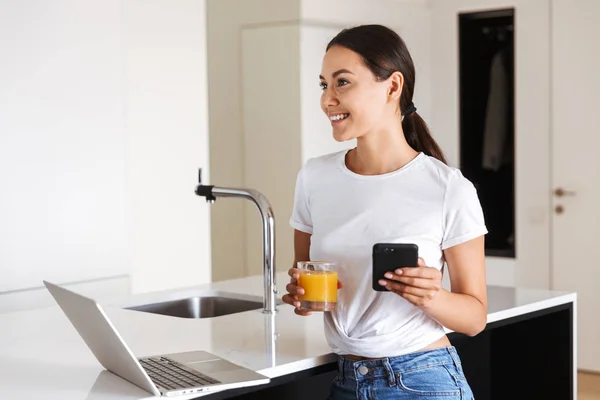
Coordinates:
x,y
200,306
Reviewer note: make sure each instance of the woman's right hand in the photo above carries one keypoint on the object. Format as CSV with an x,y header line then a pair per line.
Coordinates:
x,y
293,291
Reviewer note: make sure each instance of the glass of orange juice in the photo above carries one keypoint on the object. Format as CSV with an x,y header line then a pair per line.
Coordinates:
x,y
319,279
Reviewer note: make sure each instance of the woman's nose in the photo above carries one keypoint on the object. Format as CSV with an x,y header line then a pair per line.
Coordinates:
x,y
329,98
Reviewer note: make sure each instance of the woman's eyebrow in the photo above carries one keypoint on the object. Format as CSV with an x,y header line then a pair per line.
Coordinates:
x,y
336,73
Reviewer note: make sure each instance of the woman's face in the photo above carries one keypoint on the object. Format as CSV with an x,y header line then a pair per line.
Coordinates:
x,y
353,100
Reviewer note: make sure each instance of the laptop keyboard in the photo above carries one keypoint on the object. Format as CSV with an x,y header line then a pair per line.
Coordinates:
x,y
169,374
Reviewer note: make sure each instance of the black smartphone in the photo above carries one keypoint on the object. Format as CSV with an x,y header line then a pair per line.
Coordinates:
x,y
387,257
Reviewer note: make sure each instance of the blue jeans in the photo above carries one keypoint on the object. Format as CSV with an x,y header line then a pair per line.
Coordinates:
x,y
429,374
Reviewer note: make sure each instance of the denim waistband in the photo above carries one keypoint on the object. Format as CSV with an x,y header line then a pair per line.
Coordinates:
x,y
389,366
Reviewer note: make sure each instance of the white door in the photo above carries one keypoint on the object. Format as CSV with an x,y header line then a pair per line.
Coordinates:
x,y
531,267
576,165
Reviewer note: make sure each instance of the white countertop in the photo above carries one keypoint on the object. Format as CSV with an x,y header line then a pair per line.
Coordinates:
x,y
43,357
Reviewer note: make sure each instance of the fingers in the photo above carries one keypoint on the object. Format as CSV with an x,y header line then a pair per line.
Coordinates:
x,y
419,272
418,285
289,299
293,289
340,284
294,274
294,302
402,289
423,283
302,312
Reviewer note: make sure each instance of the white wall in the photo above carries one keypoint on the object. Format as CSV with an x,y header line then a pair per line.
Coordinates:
x,y
167,141
103,124
62,143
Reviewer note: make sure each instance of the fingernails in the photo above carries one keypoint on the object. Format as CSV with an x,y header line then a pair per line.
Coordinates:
x,y
300,291
388,275
399,272
382,282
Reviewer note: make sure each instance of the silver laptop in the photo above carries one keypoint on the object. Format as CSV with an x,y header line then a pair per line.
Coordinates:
x,y
161,375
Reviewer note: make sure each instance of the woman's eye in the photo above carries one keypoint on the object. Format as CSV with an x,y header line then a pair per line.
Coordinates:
x,y
340,82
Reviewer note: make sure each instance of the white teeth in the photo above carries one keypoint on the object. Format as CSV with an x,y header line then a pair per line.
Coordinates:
x,y
338,117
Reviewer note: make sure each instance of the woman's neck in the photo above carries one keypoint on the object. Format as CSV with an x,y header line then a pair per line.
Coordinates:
x,y
380,153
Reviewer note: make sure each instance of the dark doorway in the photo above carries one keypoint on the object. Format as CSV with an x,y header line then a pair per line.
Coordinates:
x,y
487,145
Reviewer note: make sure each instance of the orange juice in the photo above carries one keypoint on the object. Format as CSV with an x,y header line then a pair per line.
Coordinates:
x,y
320,289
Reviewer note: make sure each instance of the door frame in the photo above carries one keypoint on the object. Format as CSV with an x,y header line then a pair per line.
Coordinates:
x,y
532,265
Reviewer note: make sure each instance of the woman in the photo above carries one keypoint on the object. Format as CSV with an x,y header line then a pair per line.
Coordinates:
x,y
394,186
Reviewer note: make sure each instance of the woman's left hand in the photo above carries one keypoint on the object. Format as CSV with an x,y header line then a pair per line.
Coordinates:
x,y
420,285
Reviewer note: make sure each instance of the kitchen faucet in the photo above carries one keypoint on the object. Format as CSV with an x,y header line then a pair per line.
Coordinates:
x,y
268,227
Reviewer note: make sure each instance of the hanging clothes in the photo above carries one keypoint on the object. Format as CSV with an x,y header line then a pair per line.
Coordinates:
x,y
496,122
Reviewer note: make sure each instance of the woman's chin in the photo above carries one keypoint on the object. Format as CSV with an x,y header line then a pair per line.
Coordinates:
x,y
342,136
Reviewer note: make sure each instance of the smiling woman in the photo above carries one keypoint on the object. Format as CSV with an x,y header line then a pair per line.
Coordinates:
x,y
394,187
357,87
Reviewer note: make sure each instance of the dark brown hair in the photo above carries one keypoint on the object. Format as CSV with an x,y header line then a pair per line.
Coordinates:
x,y
384,52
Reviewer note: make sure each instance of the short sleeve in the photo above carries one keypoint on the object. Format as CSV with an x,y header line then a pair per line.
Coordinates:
x,y
462,215
300,218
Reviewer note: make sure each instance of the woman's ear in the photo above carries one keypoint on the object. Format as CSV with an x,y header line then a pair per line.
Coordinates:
x,y
396,82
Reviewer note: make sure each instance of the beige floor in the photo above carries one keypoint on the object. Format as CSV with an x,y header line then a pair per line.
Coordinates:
x,y
588,386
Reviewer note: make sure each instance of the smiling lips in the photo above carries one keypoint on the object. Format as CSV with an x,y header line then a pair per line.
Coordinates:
x,y
338,117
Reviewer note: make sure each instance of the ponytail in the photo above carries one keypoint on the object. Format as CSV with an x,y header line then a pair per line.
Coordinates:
x,y
418,137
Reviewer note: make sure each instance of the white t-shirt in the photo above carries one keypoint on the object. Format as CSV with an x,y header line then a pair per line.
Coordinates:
x,y
425,202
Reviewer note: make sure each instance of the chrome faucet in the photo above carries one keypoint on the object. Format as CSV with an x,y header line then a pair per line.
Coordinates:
x,y
211,193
